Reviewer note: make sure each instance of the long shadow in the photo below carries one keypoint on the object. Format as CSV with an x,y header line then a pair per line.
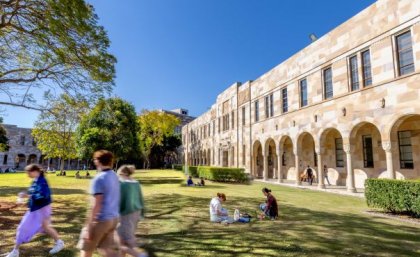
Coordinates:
x,y
184,230
160,181
13,191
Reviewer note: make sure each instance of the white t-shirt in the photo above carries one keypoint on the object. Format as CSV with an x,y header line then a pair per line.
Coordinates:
x,y
215,206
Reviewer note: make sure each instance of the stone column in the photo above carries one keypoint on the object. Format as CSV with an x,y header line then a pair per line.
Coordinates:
x,y
387,146
265,171
350,172
279,169
297,169
321,183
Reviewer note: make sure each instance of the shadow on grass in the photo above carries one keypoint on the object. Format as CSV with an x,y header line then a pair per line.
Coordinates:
x,y
14,191
153,181
184,230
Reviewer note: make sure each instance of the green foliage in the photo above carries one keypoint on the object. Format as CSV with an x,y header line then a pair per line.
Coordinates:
x,y
167,150
223,174
111,125
4,141
179,167
55,46
54,130
154,127
193,171
394,195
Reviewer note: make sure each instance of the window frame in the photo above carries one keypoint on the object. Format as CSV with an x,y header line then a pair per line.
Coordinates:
x,y
339,162
303,102
325,83
284,103
366,68
256,111
398,51
353,68
368,154
401,153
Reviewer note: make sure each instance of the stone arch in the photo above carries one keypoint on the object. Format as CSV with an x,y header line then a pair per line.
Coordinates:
x,y
404,139
32,158
307,155
333,156
258,161
368,156
20,161
287,161
271,155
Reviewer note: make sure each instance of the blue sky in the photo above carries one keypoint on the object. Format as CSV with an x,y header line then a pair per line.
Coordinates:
x,y
183,53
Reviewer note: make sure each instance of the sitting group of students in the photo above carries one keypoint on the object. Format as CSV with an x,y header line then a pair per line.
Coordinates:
x,y
219,214
190,182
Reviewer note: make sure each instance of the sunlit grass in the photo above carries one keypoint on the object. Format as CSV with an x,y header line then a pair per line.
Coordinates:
x,y
311,223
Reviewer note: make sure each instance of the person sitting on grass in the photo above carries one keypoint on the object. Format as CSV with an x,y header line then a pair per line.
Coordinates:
x,y
37,218
190,182
87,174
217,212
201,183
269,208
77,175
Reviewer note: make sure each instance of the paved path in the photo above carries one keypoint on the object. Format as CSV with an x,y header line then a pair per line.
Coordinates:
x,y
342,190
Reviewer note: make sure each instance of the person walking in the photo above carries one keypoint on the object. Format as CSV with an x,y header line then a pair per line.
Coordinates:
x,y
326,174
38,217
102,221
310,175
131,210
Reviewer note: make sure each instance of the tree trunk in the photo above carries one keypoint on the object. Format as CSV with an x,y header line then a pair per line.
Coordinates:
x,y
62,165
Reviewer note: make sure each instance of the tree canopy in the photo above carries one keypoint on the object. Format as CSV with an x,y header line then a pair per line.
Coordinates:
x,y
4,141
112,125
49,47
54,131
154,127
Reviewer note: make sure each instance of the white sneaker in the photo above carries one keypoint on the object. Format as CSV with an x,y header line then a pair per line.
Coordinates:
x,y
59,245
14,253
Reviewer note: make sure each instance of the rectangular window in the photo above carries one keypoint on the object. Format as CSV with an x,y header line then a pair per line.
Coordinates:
x,y
267,107
303,93
367,151
243,154
233,120
406,150
405,54
328,85
271,105
219,125
367,69
285,105
209,132
339,152
257,111
227,121
5,159
243,115
34,142
22,140
354,73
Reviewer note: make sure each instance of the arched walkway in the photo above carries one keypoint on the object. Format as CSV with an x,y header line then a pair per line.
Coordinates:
x,y
404,148
257,154
287,159
32,159
20,161
271,156
367,154
332,159
307,154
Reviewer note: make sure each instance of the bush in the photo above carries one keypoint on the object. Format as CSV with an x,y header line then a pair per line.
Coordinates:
x,y
179,167
193,171
394,195
222,174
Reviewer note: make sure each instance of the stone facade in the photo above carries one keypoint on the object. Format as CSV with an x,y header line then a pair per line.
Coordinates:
x,y
348,101
23,151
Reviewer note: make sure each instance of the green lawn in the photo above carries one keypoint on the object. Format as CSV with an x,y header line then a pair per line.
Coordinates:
x,y
311,223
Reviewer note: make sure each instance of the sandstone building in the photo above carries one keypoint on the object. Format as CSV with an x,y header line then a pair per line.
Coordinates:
x,y
349,101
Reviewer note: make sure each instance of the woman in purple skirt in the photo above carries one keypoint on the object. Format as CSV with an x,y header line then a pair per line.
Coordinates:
x,y
38,217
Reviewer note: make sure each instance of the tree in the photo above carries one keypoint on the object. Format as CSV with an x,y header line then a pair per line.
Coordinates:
x,y
165,152
4,141
52,47
154,127
112,125
54,130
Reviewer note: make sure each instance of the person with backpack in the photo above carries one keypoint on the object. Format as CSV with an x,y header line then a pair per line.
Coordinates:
x,y
38,217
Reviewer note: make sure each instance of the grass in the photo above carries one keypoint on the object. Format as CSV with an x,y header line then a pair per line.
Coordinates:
x,y
177,223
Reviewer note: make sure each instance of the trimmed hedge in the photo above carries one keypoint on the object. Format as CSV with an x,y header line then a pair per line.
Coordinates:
x,y
394,195
223,174
193,171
